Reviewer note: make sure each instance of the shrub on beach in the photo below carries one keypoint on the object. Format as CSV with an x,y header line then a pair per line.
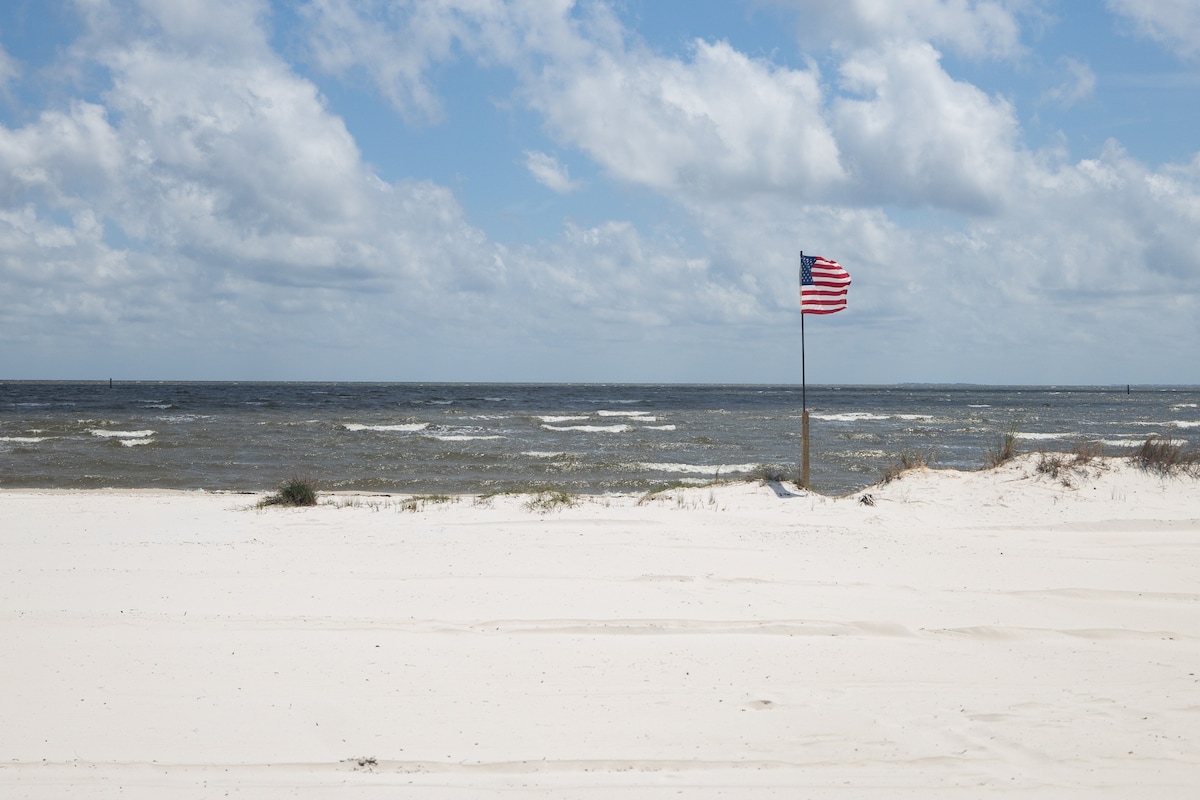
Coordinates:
x,y
293,492
1003,450
768,473
550,500
1165,456
904,462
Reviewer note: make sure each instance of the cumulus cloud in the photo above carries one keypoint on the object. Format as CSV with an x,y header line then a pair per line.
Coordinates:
x,y
916,136
1173,23
974,28
550,173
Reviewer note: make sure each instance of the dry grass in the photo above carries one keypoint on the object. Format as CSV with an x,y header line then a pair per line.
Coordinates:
x,y
1005,449
1165,457
904,462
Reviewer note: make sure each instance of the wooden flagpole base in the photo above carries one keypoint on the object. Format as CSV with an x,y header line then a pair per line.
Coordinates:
x,y
804,451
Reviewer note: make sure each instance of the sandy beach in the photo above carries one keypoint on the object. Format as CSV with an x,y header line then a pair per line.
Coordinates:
x,y
963,634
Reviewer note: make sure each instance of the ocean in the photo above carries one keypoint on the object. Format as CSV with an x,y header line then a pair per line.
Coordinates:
x,y
425,438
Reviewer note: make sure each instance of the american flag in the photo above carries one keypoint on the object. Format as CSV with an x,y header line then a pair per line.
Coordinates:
x,y
823,285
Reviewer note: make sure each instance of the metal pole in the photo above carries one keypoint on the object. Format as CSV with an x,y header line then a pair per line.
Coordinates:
x,y
803,387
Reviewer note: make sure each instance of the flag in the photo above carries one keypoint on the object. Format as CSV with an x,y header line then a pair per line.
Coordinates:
x,y
823,285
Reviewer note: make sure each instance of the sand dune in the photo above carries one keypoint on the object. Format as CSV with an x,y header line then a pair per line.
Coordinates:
x,y
968,634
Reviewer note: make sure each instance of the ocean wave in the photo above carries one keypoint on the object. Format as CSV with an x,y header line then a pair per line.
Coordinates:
x,y
1171,423
135,442
695,469
660,427
107,434
1042,436
851,416
606,413
1181,406
24,439
589,428
403,427
569,418
459,437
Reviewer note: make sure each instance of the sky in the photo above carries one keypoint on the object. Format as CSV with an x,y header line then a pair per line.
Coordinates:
x,y
600,191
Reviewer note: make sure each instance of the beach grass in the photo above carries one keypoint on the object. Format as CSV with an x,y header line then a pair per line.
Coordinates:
x,y
295,491
1003,450
1165,456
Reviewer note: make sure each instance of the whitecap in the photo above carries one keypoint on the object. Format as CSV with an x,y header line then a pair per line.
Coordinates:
x,y
850,416
401,427
697,469
623,414
563,419
458,437
660,427
589,428
543,454
1041,436
133,442
23,439
121,434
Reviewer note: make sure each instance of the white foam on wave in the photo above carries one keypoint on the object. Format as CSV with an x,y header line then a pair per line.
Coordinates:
x,y
850,416
1139,442
1042,436
458,437
660,427
23,439
568,418
405,427
641,414
1179,406
107,434
543,454
135,442
695,469
589,428
1171,423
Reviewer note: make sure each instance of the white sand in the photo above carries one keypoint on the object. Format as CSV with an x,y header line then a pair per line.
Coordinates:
x,y
971,634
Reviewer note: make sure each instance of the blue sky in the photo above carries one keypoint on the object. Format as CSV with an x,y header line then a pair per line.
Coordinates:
x,y
542,190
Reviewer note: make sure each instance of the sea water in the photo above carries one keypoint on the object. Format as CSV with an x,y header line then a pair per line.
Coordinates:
x,y
475,438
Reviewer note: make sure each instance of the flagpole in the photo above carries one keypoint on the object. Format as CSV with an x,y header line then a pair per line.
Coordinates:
x,y
803,388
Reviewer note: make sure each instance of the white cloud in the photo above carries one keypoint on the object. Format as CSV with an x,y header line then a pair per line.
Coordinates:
x,y
1173,23
10,69
975,28
1079,83
718,123
913,135
550,173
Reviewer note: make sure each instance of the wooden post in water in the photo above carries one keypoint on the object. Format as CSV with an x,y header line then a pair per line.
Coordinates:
x,y
804,456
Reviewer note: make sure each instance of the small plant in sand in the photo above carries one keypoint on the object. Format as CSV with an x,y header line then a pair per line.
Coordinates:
x,y
418,502
293,492
1165,456
904,462
772,473
1005,449
550,500
1087,452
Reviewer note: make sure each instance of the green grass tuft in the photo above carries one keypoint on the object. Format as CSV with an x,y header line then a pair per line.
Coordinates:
x,y
293,492
1005,449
